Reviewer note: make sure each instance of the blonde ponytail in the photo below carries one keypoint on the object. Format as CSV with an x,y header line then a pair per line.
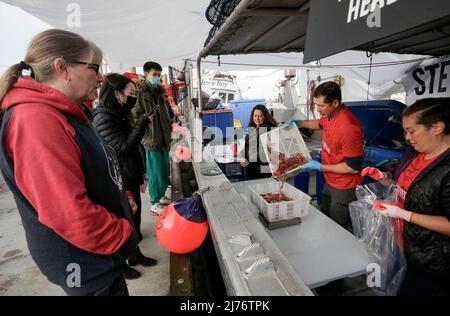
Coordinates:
x,y
9,78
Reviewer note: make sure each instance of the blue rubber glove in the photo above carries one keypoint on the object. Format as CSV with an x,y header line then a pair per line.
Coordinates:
x,y
296,122
311,165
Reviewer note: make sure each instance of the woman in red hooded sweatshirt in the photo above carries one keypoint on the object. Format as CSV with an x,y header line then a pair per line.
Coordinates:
x,y
64,177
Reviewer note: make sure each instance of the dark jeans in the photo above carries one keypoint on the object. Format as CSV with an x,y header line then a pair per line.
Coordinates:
x,y
135,190
335,204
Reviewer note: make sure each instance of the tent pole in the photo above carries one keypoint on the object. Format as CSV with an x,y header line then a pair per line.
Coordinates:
x,y
198,152
199,89
238,12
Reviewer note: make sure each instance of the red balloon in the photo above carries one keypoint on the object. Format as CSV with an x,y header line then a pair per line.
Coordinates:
x,y
177,234
183,152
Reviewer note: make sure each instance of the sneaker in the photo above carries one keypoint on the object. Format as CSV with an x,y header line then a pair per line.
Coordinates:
x,y
165,200
156,209
130,273
141,259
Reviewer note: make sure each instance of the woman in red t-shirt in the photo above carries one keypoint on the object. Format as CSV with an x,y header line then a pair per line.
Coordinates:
x,y
423,176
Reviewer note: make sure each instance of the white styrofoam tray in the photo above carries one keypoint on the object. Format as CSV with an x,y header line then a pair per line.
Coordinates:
x,y
273,212
284,139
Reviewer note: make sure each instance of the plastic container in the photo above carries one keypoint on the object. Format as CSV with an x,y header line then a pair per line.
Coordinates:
x,y
229,167
242,109
375,155
381,121
298,207
301,182
287,140
221,119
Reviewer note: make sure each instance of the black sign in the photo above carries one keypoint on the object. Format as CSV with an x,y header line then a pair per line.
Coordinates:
x,y
338,25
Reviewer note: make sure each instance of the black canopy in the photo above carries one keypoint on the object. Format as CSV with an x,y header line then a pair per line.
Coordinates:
x,y
398,26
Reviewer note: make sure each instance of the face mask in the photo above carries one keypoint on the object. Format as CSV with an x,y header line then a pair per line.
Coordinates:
x,y
154,80
131,102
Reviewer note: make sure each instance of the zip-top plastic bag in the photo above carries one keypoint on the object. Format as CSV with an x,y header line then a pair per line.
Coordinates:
x,y
382,235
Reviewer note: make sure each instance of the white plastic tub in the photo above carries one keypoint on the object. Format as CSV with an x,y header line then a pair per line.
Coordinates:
x,y
273,212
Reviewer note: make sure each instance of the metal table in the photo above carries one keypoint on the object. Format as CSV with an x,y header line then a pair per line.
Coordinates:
x,y
318,249
250,262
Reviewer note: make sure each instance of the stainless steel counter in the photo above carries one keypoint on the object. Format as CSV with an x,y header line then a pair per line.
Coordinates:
x,y
250,261
318,248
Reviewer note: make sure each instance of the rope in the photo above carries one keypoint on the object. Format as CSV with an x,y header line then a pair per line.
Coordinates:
x,y
364,65
369,54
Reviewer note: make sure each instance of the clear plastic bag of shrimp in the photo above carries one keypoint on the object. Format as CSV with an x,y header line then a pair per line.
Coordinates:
x,y
382,235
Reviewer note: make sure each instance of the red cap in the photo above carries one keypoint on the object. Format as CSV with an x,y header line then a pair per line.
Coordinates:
x,y
131,75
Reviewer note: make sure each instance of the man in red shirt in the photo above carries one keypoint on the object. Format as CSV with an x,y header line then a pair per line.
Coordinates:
x,y
342,152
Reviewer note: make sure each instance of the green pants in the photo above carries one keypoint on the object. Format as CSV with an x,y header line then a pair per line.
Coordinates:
x,y
157,173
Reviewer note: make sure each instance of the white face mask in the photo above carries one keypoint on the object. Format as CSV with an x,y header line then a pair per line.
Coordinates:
x,y
154,80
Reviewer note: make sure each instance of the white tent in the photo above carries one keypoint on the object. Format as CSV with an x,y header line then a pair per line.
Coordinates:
x,y
386,74
135,31
129,32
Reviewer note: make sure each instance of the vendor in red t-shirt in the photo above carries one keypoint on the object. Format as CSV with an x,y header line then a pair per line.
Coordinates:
x,y
342,152
423,204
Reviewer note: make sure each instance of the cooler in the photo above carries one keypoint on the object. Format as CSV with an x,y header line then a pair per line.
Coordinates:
x,y
231,168
301,182
221,119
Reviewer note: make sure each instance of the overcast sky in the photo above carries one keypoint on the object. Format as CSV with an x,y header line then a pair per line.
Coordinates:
x,y
17,28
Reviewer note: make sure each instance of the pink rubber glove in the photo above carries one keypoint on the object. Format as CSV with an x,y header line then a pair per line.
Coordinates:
x,y
392,210
374,173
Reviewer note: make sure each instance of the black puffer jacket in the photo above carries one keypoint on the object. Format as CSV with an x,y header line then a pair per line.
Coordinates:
x,y
254,153
113,126
429,194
